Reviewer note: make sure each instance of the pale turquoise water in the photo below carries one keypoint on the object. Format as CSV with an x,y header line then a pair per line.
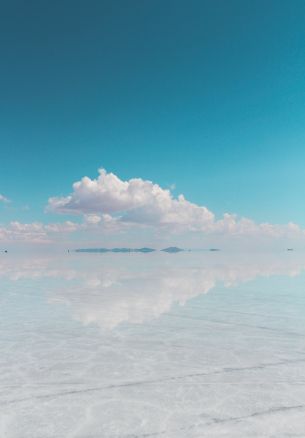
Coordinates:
x,y
148,345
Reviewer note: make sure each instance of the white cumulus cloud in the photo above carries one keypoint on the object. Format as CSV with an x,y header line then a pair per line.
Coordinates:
x,y
111,206
35,232
110,200
135,201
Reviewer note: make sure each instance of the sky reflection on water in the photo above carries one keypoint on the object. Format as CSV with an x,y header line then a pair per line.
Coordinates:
x,y
182,345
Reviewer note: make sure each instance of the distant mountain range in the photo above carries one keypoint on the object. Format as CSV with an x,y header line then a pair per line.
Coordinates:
x,y
115,250
170,249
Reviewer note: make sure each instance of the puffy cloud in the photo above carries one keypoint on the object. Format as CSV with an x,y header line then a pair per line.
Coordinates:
x,y
232,225
134,201
103,220
107,200
36,231
108,205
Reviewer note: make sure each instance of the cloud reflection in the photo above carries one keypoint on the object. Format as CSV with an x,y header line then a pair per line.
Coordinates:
x,y
111,290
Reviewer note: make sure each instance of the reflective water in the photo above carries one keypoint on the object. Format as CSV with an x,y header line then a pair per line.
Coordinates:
x,y
148,345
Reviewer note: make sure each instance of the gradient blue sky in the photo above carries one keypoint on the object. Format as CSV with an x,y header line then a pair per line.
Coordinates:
x,y
206,95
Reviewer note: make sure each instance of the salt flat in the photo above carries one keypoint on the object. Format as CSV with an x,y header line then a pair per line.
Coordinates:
x,y
148,345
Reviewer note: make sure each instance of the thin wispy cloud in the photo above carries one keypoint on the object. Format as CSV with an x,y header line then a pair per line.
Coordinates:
x,y
4,199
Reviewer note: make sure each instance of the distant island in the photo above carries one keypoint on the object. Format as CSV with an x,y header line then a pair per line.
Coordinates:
x,y
172,249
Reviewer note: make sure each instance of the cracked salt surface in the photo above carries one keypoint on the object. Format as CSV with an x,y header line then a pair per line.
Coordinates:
x,y
154,345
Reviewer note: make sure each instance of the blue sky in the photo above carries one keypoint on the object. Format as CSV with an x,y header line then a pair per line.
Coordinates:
x,y
204,95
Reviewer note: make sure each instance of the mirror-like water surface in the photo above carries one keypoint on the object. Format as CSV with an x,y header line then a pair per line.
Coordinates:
x,y
132,345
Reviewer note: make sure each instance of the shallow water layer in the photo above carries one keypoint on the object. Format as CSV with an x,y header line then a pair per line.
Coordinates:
x,y
148,345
